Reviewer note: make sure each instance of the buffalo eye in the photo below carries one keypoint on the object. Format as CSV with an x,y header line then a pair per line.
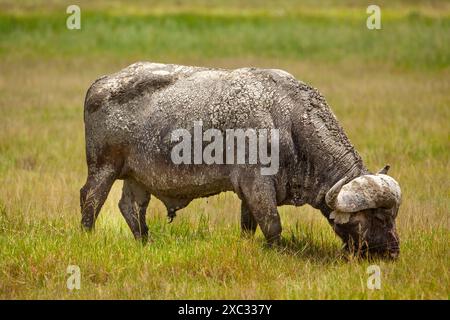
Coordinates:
x,y
381,219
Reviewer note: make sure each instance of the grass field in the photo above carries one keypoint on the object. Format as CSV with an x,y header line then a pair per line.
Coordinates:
x,y
389,88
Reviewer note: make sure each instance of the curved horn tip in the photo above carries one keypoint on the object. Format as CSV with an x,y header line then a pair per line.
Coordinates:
x,y
330,197
384,170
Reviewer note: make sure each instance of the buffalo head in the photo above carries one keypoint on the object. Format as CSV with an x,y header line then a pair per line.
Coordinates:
x,y
364,212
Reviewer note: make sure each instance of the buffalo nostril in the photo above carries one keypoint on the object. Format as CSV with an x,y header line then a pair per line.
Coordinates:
x,y
394,255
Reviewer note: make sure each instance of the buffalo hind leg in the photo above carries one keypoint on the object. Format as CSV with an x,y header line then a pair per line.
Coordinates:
x,y
93,195
133,205
260,197
248,222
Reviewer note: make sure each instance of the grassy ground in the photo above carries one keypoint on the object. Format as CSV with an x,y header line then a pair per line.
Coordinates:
x,y
389,88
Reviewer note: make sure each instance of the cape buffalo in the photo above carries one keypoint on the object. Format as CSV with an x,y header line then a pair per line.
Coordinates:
x,y
130,118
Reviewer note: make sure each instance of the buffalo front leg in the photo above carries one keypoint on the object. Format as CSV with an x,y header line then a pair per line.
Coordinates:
x,y
133,205
248,222
93,195
260,197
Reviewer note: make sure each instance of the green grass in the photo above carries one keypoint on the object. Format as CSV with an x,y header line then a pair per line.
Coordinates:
x,y
389,89
411,41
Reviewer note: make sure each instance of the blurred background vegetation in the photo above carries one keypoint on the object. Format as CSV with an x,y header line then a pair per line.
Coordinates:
x,y
415,32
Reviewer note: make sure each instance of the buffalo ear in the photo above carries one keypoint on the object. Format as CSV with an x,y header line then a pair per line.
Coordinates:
x,y
384,170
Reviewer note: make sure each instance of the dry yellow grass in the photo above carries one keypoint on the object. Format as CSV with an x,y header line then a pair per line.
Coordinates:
x,y
201,254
